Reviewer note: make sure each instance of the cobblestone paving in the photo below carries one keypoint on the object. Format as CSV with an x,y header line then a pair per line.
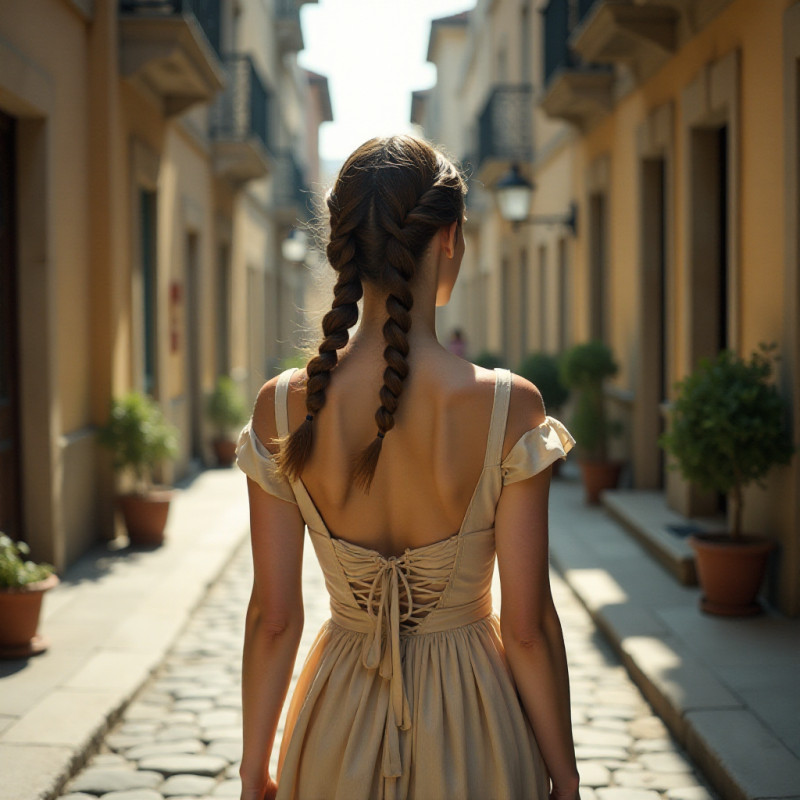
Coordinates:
x,y
180,738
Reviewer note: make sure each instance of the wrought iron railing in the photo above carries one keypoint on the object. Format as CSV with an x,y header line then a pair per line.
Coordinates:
x,y
289,189
557,54
561,17
242,109
206,12
505,126
584,7
287,9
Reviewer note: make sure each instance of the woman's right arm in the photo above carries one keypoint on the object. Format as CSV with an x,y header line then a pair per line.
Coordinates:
x,y
529,623
274,621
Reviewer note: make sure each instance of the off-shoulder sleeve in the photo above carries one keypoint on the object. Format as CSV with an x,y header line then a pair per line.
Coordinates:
x,y
536,450
259,464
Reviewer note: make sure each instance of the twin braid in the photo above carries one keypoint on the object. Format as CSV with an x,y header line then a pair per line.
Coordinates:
x,y
399,271
391,197
336,324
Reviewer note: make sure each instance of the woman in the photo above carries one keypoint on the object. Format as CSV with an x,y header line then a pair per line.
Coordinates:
x,y
413,688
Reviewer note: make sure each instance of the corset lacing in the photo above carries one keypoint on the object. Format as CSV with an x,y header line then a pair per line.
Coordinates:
x,y
379,585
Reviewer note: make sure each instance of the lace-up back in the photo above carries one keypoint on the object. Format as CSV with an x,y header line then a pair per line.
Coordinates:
x,y
405,693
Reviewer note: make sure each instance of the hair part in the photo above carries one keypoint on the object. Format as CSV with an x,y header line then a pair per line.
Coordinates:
x,y
390,198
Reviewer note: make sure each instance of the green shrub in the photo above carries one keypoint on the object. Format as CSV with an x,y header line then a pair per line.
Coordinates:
x,y
542,369
138,436
225,406
489,360
585,368
727,426
15,569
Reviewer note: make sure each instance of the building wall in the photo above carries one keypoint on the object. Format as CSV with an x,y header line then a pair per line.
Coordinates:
x,y
545,290
88,140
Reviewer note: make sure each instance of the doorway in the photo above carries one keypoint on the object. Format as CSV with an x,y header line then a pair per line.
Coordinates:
x,y
652,378
149,342
710,329
597,266
194,389
10,477
709,238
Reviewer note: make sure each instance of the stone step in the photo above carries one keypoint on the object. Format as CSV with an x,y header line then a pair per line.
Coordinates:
x,y
661,531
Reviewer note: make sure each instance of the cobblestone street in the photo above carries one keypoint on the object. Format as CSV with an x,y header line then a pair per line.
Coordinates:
x,y
181,737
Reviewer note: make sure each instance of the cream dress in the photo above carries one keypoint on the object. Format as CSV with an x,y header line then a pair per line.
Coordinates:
x,y
406,692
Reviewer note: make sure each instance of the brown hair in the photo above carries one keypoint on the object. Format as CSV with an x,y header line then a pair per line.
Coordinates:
x,y
390,198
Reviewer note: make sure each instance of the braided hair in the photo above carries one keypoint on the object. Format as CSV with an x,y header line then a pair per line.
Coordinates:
x,y
390,198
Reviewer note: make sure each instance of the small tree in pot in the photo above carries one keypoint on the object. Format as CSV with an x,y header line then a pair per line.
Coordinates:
x,y
226,410
22,585
542,370
140,439
585,368
727,431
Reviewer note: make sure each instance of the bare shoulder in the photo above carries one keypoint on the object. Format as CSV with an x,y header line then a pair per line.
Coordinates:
x,y
264,410
467,385
264,415
525,411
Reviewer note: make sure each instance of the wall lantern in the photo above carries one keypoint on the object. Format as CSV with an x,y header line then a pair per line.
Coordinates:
x,y
295,246
513,194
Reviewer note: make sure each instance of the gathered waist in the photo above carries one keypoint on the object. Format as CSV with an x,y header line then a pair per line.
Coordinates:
x,y
411,634
384,625
437,621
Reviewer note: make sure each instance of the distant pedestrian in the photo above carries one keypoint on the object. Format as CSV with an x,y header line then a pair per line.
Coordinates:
x,y
457,344
413,688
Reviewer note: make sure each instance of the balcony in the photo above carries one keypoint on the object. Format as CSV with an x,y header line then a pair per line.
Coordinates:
x,y
291,198
620,31
575,90
287,26
171,48
504,132
694,14
239,123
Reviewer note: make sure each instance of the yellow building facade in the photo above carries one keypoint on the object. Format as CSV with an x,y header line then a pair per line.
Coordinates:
x,y
673,129
154,157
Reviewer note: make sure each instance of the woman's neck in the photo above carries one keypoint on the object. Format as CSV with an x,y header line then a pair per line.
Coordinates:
x,y
423,315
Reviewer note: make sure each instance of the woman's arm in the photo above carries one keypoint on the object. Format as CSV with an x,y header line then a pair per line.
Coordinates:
x,y
273,626
529,623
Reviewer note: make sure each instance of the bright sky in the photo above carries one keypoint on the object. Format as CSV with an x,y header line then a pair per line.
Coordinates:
x,y
373,54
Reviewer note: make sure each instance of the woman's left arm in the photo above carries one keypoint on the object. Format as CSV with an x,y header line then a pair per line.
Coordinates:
x,y
273,628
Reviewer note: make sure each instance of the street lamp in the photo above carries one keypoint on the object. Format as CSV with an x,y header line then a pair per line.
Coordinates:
x,y
295,246
513,194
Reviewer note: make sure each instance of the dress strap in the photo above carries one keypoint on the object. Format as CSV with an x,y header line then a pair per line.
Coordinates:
x,y
497,426
306,505
282,401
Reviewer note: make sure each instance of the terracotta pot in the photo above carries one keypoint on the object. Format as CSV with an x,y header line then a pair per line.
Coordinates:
x,y
145,515
19,619
225,451
730,573
599,475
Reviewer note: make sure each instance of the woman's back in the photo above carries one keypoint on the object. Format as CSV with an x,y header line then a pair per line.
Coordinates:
x,y
432,461
412,470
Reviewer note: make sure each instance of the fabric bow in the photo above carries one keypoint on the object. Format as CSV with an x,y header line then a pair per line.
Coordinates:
x,y
382,650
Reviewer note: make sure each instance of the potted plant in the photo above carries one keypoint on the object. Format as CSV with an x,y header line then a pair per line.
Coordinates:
x,y
727,431
140,439
226,410
22,585
542,370
584,368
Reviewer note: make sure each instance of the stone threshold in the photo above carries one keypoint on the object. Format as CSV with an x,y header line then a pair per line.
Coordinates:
x,y
660,530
